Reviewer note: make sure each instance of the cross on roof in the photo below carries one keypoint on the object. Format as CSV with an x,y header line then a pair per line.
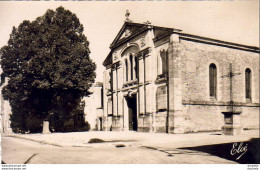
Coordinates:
x,y
127,14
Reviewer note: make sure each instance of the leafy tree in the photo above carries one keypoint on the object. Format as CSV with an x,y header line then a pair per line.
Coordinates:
x,y
48,68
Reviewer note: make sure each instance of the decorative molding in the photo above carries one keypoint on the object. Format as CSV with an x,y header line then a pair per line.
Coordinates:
x,y
127,33
144,53
109,92
116,117
115,56
109,66
219,103
130,83
143,41
164,36
161,43
126,39
147,23
130,93
142,114
129,45
129,88
116,65
162,78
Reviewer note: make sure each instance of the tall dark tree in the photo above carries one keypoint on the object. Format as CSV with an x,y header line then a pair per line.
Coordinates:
x,y
48,68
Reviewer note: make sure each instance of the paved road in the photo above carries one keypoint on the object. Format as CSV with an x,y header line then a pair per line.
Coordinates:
x,y
20,151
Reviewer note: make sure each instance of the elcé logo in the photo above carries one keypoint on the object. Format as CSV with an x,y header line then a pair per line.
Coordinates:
x,y
238,149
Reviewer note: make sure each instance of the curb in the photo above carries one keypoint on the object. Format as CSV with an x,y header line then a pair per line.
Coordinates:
x,y
33,140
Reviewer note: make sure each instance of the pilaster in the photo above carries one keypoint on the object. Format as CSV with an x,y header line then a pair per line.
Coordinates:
x,y
175,85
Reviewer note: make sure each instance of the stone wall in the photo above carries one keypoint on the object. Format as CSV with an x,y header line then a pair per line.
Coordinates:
x,y
196,60
200,111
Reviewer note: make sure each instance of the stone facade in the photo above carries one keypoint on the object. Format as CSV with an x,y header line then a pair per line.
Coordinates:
x,y
157,80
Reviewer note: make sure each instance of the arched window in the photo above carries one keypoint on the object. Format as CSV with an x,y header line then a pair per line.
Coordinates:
x,y
213,80
248,83
131,66
136,68
126,70
110,79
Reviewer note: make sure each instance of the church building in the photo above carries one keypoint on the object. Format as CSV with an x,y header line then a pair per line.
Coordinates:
x,y
160,79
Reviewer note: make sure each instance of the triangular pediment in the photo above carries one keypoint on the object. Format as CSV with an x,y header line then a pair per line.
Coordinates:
x,y
127,31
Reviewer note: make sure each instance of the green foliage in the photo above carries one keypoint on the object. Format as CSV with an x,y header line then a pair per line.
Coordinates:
x,y
48,66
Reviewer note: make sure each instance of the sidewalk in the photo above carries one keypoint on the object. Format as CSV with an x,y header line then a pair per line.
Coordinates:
x,y
140,148
136,138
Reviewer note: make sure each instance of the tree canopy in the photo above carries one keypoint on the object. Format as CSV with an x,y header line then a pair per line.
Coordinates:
x,y
48,67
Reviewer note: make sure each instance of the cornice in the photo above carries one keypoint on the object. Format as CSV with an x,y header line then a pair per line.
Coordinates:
x,y
116,65
212,41
144,53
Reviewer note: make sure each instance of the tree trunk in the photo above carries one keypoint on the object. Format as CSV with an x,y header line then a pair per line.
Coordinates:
x,y
46,127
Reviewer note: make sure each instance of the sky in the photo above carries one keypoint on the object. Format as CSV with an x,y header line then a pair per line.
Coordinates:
x,y
233,21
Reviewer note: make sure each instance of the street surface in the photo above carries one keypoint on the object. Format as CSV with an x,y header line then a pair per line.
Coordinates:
x,y
140,148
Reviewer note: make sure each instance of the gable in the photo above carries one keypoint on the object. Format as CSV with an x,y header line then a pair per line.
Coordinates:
x,y
128,31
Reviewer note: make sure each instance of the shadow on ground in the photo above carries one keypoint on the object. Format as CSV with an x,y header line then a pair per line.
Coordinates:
x,y
251,156
97,140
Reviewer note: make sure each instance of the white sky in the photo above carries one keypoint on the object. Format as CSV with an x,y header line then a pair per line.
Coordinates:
x,y
234,21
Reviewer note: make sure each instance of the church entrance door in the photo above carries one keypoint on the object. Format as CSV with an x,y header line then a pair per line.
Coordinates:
x,y
132,112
